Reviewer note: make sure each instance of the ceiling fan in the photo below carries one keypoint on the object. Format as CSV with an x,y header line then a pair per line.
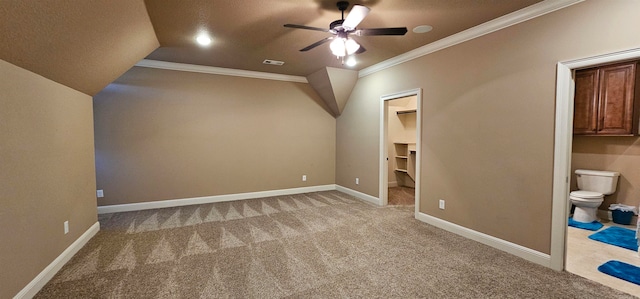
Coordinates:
x,y
342,45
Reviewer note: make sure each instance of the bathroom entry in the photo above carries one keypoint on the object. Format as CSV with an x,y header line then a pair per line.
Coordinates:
x,y
571,248
401,151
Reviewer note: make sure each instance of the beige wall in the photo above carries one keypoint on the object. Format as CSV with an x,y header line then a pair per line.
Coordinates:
x,y
487,120
164,134
47,176
621,154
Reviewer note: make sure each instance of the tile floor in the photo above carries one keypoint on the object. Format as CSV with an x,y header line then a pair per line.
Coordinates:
x,y
585,255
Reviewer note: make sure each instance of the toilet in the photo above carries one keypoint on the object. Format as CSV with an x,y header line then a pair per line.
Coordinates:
x,y
593,185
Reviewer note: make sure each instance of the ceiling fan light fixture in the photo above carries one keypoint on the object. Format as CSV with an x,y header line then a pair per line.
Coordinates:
x,y
352,46
341,47
338,47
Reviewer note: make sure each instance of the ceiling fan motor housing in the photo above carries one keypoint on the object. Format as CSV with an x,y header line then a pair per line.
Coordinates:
x,y
336,23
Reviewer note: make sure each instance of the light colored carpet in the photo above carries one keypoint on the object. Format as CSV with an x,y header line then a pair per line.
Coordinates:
x,y
401,196
315,245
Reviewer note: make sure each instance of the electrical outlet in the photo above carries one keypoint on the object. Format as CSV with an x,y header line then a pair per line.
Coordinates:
x,y
357,181
66,227
100,193
304,177
441,204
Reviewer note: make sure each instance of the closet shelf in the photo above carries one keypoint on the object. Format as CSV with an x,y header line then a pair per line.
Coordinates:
x,y
405,111
405,159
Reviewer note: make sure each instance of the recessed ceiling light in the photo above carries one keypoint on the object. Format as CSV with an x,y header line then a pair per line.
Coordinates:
x,y
203,39
351,61
422,29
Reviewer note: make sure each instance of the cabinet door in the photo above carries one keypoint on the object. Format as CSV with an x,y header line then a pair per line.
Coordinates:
x,y
616,99
585,110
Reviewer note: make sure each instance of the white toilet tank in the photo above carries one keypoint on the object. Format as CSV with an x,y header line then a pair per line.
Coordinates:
x,y
604,182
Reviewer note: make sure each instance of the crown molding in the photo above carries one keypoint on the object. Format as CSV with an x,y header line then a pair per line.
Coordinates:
x,y
522,15
218,71
516,17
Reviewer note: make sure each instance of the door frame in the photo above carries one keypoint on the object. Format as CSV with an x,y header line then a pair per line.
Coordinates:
x,y
384,149
565,86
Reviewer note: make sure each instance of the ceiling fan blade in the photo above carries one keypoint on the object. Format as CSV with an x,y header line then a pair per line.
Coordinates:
x,y
320,42
382,31
360,50
305,27
356,15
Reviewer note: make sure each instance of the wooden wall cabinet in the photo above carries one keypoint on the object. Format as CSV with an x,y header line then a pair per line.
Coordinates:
x,y
604,100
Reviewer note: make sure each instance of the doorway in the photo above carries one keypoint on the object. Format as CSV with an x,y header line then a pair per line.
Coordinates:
x,y
400,124
563,147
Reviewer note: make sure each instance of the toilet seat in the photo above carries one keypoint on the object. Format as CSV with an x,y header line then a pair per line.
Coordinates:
x,y
581,195
586,203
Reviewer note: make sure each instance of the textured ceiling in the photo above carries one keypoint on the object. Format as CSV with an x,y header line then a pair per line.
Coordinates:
x,y
87,44
246,32
82,44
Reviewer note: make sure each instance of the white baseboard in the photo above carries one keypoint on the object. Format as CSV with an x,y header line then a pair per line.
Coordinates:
x,y
366,197
209,199
515,249
41,280
392,184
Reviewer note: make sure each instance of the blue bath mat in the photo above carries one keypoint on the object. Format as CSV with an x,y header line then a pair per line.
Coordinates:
x,y
621,270
583,225
618,236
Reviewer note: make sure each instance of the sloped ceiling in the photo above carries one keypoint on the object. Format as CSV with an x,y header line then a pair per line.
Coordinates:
x,y
334,86
81,44
87,44
246,32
